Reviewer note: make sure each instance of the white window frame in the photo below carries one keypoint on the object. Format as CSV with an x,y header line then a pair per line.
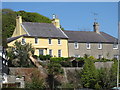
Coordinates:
x,y
116,46
100,57
116,56
76,55
59,40
88,44
99,45
49,41
60,53
37,40
3,61
76,45
39,51
51,52
22,41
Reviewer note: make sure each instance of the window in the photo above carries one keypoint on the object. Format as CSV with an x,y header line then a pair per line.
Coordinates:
x,y
88,45
50,41
36,40
100,56
50,52
59,53
115,46
23,41
41,52
76,45
59,41
76,55
3,62
99,45
116,57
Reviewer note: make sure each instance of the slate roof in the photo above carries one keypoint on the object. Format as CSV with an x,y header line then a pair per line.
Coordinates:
x,y
89,36
14,38
46,30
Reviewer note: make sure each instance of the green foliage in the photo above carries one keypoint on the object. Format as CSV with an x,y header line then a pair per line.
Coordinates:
x,y
9,21
54,69
37,82
33,17
89,74
67,86
44,57
8,24
19,54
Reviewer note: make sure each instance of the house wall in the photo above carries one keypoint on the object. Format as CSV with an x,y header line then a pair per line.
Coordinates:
x,y
107,50
43,43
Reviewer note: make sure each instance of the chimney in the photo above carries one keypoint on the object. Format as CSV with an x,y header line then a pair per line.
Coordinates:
x,y
19,19
96,27
18,24
56,21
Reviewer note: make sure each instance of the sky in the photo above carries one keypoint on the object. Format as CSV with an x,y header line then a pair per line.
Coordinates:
x,y
76,16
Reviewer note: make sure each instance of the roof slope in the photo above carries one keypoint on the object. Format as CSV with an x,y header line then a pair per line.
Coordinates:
x,y
47,30
89,36
14,38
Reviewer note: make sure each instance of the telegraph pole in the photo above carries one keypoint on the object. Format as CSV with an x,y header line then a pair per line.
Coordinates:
x,y
118,53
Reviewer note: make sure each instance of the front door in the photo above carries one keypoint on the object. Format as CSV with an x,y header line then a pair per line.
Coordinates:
x,y
41,51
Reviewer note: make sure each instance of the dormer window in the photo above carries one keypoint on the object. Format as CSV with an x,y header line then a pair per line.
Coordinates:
x,y
115,46
50,41
88,45
23,41
36,40
99,45
76,45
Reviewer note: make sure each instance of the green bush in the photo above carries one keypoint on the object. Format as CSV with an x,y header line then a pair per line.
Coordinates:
x,y
44,57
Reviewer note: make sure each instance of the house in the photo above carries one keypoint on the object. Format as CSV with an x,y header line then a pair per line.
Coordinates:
x,y
46,38
92,43
3,62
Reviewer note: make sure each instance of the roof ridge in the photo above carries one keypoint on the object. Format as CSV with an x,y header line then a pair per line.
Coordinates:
x,y
78,31
37,22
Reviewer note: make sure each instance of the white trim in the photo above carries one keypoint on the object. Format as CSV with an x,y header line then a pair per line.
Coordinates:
x,y
100,44
60,53
25,30
37,41
77,45
60,41
89,45
48,41
115,47
63,32
24,40
51,51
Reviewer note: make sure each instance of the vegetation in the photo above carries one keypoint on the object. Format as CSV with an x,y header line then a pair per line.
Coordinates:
x,y
9,21
37,82
53,69
89,74
99,79
18,55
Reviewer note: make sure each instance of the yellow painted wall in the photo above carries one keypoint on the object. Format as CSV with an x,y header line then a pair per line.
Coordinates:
x,y
44,43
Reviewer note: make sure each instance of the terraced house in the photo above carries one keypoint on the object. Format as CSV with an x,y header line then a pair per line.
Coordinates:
x,y
46,38
92,43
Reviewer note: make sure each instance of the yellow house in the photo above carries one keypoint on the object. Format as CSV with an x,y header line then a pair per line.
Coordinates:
x,y
46,38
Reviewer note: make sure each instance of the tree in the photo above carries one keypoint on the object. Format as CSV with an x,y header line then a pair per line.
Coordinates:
x,y
19,54
8,25
89,74
54,69
37,82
